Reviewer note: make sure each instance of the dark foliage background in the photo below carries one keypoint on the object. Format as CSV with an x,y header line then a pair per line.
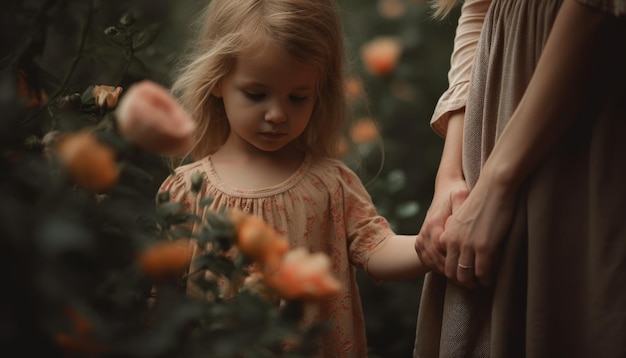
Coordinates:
x,y
65,47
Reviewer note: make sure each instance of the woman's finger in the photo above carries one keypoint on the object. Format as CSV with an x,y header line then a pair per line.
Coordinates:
x,y
466,269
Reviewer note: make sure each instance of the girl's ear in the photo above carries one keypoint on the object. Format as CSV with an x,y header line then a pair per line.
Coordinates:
x,y
217,90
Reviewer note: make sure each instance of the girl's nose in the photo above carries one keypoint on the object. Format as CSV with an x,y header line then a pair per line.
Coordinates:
x,y
276,114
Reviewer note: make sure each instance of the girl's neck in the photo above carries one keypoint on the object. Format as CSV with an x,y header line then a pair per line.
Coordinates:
x,y
253,169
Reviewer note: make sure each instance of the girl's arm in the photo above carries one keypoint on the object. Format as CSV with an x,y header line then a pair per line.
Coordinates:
x,y
545,112
395,259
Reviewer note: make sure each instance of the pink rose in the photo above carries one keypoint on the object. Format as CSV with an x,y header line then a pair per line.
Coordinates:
x,y
151,118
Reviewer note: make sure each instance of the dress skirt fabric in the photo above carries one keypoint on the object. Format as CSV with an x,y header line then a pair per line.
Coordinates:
x,y
560,290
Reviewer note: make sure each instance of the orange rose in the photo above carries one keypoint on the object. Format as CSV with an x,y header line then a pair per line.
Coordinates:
x,y
81,340
342,147
106,96
302,275
73,344
364,131
260,242
381,55
81,325
391,9
151,118
353,88
34,98
91,164
166,259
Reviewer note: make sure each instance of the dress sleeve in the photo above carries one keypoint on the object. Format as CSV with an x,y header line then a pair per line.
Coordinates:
x,y
467,34
364,227
179,187
615,7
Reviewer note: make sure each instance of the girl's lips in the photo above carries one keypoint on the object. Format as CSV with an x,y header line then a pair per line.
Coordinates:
x,y
273,135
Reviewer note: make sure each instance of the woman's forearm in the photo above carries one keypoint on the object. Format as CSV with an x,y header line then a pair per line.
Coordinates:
x,y
553,97
450,166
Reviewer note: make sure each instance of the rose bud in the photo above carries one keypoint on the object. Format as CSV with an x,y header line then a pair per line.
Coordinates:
x,y
106,96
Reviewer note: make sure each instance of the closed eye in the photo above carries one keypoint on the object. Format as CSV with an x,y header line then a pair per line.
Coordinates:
x,y
298,98
254,96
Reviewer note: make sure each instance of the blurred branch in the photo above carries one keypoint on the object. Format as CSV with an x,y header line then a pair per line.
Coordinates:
x,y
73,65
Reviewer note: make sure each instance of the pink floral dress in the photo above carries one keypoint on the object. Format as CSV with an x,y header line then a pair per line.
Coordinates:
x,y
324,207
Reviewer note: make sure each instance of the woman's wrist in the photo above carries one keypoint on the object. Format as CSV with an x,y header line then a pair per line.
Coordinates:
x,y
447,176
501,174
450,167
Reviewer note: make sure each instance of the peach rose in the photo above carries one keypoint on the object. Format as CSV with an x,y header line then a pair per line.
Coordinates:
x,y
91,164
364,131
380,55
391,9
260,242
33,98
150,117
353,88
80,339
342,147
303,275
106,96
166,259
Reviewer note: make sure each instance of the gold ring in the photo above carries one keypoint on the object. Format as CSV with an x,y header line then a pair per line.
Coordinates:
x,y
466,267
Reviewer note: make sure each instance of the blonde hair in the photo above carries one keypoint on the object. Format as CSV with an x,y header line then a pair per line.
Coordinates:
x,y
443,7
309,30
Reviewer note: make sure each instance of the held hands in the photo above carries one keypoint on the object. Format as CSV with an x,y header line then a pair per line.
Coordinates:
x,y
449,195
464,248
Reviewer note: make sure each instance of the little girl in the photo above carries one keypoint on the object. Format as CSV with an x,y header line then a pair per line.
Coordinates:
x,y
265,85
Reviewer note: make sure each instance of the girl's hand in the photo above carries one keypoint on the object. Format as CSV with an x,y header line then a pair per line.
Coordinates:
x,y
474,231
449,195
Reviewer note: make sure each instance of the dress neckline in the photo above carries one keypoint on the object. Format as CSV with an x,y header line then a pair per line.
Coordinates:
x,y
281,187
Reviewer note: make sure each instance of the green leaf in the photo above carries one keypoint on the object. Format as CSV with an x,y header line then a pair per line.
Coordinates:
x,y
118,36
145,37
206,201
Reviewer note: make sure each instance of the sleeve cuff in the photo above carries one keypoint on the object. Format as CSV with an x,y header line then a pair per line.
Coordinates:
x,y
452,100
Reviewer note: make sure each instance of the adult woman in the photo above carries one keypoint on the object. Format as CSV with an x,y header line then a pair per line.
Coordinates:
x,y
527,222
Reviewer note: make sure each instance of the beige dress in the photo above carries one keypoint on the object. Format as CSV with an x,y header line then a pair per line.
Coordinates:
x,y
324,207
561,285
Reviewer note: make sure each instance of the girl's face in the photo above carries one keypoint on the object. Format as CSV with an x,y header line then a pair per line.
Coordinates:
x,y
269,98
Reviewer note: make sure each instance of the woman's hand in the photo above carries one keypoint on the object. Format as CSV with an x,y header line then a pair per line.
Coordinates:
x,y
475,230
449,195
